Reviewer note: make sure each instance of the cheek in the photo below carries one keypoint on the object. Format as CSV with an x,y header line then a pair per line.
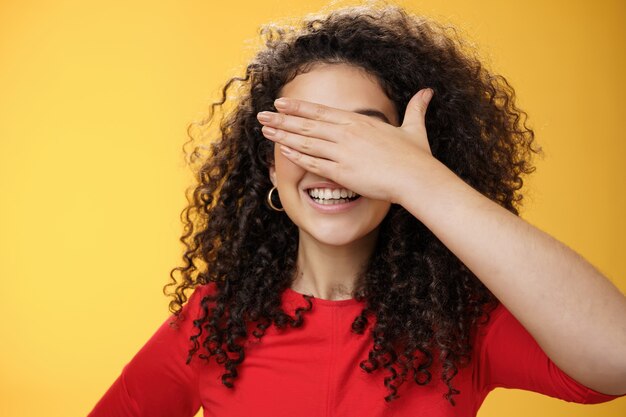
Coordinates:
x,y
285,169
378,210
382,209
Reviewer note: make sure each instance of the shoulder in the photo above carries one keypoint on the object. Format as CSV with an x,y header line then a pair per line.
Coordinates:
x,y
499,314
203,290
201,298
492,318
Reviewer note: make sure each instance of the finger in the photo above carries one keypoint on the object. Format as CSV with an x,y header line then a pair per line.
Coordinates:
x,y
304,144
299,125
314,111
322,167
415,114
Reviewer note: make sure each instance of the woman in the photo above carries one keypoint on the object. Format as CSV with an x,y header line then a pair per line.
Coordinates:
x,y
360,246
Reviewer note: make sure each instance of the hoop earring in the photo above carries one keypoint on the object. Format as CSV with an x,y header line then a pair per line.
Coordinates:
x,y
269,200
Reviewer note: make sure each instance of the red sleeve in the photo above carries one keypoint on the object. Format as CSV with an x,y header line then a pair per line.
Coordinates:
x,y
157,381
509,357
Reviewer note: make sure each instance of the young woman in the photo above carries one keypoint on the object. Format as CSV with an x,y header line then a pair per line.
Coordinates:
x,y
354,247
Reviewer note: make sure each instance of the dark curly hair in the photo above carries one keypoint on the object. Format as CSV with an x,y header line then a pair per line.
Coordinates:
x,y
422,297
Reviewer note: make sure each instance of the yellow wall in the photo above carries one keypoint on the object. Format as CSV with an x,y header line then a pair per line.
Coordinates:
x,y
95,98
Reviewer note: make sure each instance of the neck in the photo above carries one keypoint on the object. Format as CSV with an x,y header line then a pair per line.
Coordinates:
x,y
330,272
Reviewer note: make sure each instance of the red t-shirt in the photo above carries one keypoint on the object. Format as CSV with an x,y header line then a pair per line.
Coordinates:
x,y
314,371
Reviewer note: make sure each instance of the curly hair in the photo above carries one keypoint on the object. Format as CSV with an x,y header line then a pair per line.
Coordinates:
x,y
422,297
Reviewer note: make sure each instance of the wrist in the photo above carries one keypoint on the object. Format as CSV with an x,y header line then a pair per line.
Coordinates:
x,y
420,187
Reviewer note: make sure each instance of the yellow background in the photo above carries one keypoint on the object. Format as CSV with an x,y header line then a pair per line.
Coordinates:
x,y
95,98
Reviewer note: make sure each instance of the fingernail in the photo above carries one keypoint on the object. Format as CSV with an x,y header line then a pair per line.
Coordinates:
x,y
285,150
281,103
428,94
264,117
268,131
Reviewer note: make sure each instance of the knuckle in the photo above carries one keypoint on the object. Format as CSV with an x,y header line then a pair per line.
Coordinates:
x,y
306,143
319,111
419,107
312,164
307,126
367,123
373,123
351,132
281,119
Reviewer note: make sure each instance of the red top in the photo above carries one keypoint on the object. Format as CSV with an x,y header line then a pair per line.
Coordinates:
x,y
314,371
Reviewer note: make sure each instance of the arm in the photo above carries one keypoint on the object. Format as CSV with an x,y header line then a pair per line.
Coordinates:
x,y
576,315
508,356
157,381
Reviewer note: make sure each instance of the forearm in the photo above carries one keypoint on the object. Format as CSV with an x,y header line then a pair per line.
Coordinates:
x,y
577,316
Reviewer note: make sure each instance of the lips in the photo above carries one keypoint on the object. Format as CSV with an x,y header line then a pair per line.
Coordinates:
x,y
324,184
333,207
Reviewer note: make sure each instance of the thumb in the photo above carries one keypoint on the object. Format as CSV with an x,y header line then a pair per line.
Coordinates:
x,y
415,114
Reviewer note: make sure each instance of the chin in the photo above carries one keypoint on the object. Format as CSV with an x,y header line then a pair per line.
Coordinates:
x,y
336,239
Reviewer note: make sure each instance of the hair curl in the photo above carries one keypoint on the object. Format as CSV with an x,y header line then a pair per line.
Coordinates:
x,y
422,296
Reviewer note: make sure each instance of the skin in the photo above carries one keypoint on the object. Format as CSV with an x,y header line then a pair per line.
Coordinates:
x,y
332,247
574,312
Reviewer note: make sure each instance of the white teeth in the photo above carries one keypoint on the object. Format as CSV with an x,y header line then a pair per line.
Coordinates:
x,y
328,194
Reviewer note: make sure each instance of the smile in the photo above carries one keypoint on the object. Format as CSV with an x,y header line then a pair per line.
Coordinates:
x,y
332,204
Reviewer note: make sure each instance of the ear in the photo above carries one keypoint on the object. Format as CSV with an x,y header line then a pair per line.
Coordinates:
x,y
273,174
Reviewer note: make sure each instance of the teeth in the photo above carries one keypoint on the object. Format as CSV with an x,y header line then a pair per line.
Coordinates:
x,y
332,201
328,194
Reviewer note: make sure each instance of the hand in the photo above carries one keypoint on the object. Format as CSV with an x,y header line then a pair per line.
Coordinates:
x,y
359,152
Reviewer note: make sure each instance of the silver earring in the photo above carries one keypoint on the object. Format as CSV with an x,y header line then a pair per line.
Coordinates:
x,y
269,200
